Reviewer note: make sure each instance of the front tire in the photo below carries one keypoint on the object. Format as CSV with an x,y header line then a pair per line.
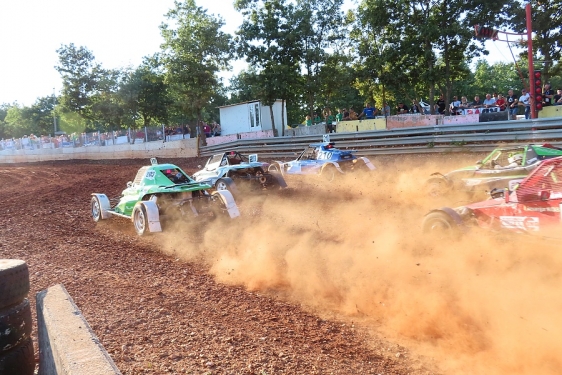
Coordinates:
x,y
227,184
437,187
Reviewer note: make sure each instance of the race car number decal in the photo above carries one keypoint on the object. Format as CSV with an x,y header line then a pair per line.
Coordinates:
x,y
324,155
520,222
150,175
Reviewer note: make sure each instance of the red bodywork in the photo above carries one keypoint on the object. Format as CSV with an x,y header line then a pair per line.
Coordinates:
x,y
534,204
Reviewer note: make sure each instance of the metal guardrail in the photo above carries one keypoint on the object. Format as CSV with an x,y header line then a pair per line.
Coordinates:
x,y
476,137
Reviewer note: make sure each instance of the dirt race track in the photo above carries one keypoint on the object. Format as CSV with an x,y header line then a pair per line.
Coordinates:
x,y
312,280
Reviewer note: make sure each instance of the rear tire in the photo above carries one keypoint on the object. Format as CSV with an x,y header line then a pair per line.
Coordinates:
x,y
274,168
329,173
438,222
140,220
96,209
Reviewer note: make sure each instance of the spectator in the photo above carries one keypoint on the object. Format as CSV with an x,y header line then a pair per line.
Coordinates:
x,y
330,120
206,129
416,107
477,103
386,109
185,130
345,114
216,129
547,95
440,105
454,107
352,114
525,100
501,103
339,116
317,119
369,112
558,97
489,102
512,105
464,104
401,109
308,120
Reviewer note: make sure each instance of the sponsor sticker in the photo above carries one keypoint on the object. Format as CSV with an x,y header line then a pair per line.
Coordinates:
x,y
520,222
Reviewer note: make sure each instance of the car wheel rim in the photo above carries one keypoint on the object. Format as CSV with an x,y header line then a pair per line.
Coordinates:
x,y
139,221
439,226
96,209
221,186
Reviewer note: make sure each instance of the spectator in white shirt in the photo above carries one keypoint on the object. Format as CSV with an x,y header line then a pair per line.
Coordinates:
x,y
525,100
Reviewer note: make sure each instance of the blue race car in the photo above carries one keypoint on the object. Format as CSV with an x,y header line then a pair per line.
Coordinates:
x,y
325,160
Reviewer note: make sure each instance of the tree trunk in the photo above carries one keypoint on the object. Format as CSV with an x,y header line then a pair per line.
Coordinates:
x,y
202,136
272,121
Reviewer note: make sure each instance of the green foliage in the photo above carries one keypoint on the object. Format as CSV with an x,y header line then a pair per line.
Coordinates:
x,y
194,51
305,52
547,27
144,95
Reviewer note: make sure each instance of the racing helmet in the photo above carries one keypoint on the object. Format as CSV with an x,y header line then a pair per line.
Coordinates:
x,y
515,158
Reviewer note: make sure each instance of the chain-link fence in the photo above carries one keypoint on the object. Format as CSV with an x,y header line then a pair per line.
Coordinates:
x,y
110,138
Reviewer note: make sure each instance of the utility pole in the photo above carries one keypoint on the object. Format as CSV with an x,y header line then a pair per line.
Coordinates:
x,y
489,33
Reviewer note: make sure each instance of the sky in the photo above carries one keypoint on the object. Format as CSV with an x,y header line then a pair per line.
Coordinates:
x,y
119,33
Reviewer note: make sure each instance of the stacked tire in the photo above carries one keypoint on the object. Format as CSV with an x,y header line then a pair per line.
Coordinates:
x,y
16,345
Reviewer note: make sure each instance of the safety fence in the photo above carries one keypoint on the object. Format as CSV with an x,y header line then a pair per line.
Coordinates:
x,y
474,137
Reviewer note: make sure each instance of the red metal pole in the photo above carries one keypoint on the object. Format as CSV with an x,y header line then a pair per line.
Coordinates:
x,y
531,89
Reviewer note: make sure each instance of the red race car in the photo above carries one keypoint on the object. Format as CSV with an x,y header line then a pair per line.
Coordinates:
x,y
528,205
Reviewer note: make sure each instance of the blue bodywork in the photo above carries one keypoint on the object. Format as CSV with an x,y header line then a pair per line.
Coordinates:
x,y
319,156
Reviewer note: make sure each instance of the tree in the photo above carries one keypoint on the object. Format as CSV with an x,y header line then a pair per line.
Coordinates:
x,y
81,75
144,94
319,27
194,51
499,77
425,43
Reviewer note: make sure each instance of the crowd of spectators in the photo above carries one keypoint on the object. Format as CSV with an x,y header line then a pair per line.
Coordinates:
x,y
495,102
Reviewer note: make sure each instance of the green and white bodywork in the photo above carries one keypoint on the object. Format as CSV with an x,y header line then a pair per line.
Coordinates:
x,y
163,191
494,171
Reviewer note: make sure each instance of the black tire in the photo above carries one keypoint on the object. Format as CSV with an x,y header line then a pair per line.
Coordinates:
x,y
438,222
218,206
140,220
19,360
227,184
15,326
274,168
96,209
437,187
14,282
329,173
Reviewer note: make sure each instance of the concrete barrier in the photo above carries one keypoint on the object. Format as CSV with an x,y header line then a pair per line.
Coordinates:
x,y
67,345
175,149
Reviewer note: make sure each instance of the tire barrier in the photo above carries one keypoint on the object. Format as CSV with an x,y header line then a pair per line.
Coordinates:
x,y
16,347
